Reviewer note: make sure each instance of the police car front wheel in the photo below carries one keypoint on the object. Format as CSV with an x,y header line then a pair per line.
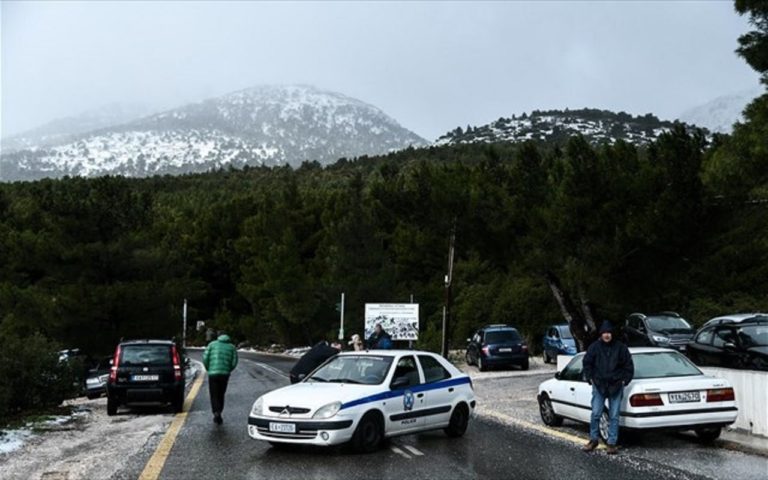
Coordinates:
x,y
369,433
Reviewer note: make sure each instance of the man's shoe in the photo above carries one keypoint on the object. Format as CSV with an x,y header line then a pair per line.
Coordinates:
x,y
589,446
217,419
612,450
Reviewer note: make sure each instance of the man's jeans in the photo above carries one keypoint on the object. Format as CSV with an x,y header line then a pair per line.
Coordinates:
x,y
598,405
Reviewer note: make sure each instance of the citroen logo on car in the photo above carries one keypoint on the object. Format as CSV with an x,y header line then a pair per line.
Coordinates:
x,y
285,411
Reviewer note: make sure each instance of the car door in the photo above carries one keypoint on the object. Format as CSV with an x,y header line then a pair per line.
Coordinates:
x,y
724,348
631,331
404,411
564,393
700,350
438,398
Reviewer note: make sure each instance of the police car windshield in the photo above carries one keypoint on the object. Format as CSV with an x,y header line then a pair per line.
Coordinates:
x,y
358,369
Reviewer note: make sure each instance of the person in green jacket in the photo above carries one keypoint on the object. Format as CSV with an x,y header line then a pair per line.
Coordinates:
x,y
219,359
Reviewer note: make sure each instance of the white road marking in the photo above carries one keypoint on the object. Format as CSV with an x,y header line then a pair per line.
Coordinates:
x,y
400,452
269,368
414,451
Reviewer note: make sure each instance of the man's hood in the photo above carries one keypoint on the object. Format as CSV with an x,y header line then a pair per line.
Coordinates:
x,y
224,338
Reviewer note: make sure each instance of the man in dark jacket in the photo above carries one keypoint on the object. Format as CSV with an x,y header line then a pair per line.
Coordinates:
x,y
608,368
313,359
379,339
219,359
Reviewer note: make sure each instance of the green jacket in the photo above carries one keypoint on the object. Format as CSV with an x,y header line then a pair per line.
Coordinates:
x,y
220,358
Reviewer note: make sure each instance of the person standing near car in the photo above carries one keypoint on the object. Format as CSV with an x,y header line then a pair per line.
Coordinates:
x,y
608,368
219,359
379,339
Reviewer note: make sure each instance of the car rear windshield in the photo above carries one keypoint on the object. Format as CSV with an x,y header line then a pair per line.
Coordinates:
x,y
362,369
145,354
668,324
753,336
663,364
565,332
502,336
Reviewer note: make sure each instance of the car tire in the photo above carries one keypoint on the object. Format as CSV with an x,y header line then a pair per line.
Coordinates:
x,y
459,421
178,401
604,425
525,365
92,396
548,415
368,434
481,364
708,435
468,358
111,406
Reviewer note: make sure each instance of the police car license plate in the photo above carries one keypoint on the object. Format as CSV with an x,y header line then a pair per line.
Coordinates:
x,y
282,427
684,397
145,378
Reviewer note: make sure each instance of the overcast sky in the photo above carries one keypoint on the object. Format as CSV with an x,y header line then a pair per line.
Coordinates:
x,y
432,66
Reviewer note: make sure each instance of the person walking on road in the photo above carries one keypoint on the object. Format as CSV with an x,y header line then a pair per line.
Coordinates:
x,y
608,368
219,359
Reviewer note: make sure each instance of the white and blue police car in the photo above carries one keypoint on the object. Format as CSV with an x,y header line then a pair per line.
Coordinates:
x,y
365,397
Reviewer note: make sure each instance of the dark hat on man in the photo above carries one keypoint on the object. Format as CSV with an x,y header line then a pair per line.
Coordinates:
x,y
606,327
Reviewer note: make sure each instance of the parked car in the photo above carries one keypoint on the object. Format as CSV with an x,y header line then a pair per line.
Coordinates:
x,y
365,397
497,346
732,341
665,329
145,371
558,341
96,380
668,392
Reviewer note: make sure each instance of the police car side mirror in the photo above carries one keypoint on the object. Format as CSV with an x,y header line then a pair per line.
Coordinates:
x,y
399,382
557,375
302,376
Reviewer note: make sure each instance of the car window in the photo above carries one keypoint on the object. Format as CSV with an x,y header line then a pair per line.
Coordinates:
x,y
555,333
363,369
565,332
433,370
502,336
723,336
662,365
572,371
753,336
668,324
406,367
145,354
705,337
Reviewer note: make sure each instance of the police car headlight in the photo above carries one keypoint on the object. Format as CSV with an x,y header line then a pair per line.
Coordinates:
x,y
258,407
328,411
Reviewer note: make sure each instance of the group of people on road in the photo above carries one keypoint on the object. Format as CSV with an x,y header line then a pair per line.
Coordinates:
x,y
607,366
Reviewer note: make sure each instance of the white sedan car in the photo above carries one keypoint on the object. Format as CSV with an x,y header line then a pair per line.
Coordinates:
x,y
364,397
667,392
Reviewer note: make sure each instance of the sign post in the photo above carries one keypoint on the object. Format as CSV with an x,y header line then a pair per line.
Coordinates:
x,y
341,310
184,327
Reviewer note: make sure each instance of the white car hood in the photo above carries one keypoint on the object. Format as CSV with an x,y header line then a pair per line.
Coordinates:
x,y
314,395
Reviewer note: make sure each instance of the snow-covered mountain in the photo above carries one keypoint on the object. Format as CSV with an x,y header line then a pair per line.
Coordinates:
x,y
720,114
597,126
268,125
66,129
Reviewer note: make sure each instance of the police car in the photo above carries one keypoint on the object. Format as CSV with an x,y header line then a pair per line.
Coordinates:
x,y
365,397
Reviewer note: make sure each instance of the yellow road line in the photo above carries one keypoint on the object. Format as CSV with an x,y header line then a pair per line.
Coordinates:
x,y
569,437
155,464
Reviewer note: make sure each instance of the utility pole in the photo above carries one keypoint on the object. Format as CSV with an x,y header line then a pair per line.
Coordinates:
x,y
184,326
341,310
448,296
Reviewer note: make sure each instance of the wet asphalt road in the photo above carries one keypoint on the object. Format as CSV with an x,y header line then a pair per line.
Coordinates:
x,y
489,450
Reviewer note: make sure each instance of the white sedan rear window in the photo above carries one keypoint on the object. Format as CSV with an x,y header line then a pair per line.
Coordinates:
x,y
662,365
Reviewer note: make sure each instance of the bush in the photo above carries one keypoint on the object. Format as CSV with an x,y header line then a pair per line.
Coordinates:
x,y
31,375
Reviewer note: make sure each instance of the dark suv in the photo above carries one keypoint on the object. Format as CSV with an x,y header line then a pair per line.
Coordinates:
x,y
665,329
497,346
146,371
732,341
